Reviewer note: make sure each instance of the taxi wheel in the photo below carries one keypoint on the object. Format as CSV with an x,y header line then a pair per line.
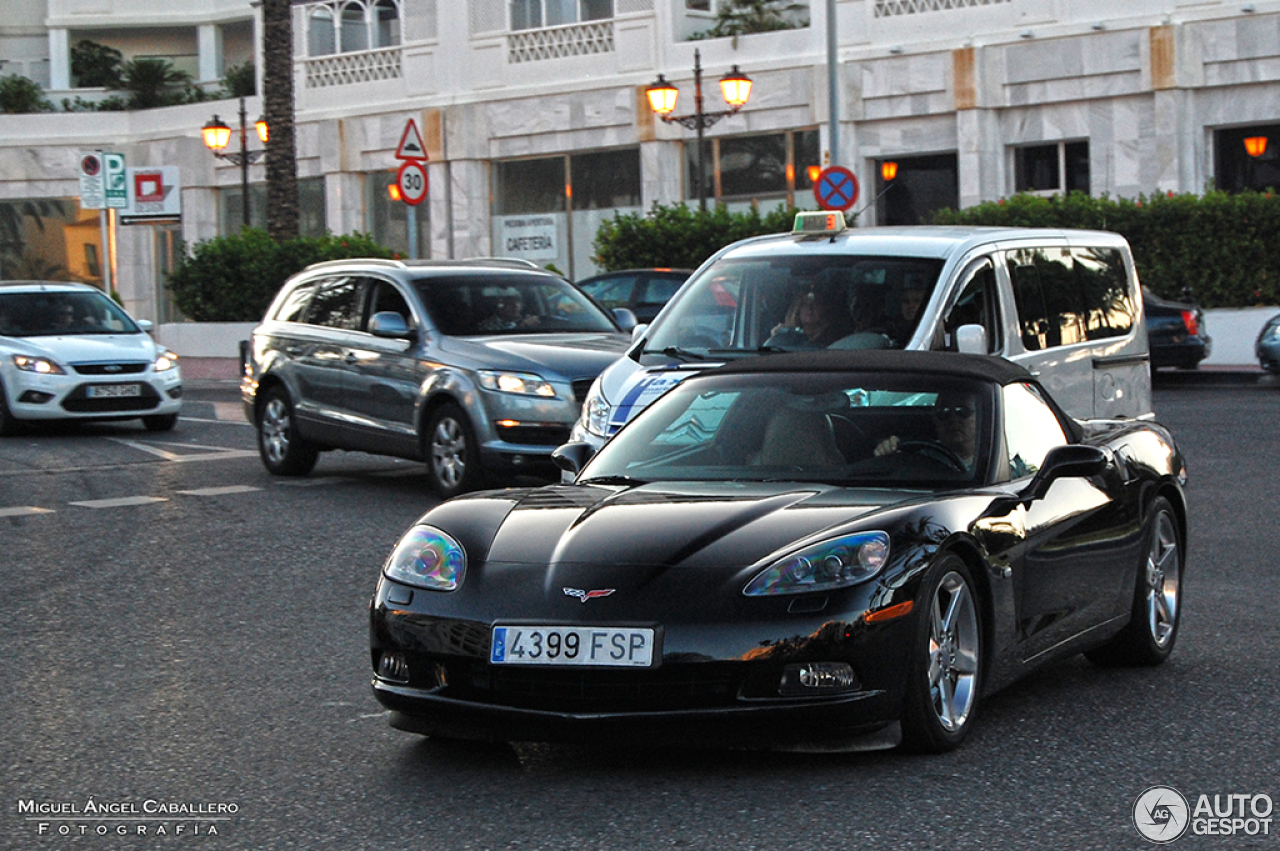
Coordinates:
x,y
1157,597
945,673
283,451
453,458
160,422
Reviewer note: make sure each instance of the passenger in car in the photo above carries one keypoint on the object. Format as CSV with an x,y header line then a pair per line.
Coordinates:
x,y
818,316
508,313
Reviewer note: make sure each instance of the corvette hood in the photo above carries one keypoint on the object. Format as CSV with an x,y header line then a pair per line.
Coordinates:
x,y
670,525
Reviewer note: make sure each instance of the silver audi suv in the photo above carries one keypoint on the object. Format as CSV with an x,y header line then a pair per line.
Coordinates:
x,y
477,367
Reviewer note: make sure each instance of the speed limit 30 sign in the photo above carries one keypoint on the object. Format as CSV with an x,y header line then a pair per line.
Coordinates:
x,y
412,180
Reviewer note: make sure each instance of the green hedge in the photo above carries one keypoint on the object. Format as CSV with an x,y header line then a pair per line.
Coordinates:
x,y
1224,247
679,237
234,278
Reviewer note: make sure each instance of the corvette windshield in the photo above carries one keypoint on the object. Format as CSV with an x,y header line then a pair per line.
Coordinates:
x,y
866,429
54,313
793,302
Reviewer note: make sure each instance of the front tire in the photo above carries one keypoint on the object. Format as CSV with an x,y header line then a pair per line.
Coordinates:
x,y
453,457
283,451
1157,597
945,673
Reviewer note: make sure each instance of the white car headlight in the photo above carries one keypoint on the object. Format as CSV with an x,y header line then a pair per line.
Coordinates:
x,y
595,411
837,563
427,558
42,366
165,361
522,383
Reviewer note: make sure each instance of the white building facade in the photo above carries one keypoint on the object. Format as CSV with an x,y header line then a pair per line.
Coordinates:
x,y
535,122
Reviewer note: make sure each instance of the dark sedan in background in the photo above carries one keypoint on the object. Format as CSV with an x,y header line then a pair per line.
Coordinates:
x,y
1267,346
643,291
840,549
1176,332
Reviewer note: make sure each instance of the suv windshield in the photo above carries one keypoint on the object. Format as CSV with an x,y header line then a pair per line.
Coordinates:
x,y
509,304
917,431
794,302
48,314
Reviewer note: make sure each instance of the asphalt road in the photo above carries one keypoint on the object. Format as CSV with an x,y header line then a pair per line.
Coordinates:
x,y
183,636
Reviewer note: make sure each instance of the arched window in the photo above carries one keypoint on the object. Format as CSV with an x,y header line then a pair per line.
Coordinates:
x,y
355,27
386,23
321,38
346,26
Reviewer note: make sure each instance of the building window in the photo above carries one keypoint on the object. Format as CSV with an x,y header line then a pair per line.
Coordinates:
x,y
535,14
530,186
920,187
388,219
348,26
605,179
311,207
1052,169
1247,158
773,166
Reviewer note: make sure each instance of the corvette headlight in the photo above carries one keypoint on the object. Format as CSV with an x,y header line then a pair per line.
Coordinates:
x,y
427,558
165,361
837,563
522,383
43,366
595,411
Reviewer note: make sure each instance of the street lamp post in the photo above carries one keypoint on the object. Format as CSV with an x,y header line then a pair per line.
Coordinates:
x,y
216,136
736,88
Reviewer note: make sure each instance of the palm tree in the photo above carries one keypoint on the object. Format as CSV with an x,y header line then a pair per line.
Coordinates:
x,y
153,82
277,84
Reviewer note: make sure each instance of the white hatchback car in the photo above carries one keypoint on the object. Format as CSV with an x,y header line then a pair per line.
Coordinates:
x,y
67,352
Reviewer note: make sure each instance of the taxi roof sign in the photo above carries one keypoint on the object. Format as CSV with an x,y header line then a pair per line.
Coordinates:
x,y
819,221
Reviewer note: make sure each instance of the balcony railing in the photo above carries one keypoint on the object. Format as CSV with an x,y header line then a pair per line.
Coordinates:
x,y
889,8
558,42
341,69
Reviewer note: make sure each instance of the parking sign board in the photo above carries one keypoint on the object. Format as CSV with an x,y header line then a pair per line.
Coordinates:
x,y
115,183
836,188
91,197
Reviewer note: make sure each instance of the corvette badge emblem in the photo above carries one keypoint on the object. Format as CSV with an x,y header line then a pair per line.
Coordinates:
x,y
584,596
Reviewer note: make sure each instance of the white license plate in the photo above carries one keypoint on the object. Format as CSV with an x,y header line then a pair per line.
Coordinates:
x,y
612,646
112,391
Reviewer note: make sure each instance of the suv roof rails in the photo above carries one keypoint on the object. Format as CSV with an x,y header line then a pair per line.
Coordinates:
x,y
510,262
363,261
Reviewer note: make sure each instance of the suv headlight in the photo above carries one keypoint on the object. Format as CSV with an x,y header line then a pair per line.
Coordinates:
x,y
427,558
521,383
595,411
42,366
837,563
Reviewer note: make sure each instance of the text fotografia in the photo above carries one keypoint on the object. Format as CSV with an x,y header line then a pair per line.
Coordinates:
x,y
1162,814
110,817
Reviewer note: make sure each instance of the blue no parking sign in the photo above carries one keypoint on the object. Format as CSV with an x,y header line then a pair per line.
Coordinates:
x,y
836,188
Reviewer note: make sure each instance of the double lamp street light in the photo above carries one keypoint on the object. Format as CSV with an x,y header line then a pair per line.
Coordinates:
x,y
216,137
736,88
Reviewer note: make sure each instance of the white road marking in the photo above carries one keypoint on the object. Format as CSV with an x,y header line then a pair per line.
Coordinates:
x,y
202,452
218,421
312,483
24,511
220,491
119,502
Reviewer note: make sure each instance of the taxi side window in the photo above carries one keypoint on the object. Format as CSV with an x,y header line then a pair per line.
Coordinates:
x,y
976,305
1070,295
1031,429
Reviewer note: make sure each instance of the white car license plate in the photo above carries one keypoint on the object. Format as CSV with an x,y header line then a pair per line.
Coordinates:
x,y
112,391
613,646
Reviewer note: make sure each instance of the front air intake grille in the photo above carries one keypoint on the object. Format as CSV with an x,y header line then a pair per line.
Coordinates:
x,y
581,386
109,368
669,687
78,401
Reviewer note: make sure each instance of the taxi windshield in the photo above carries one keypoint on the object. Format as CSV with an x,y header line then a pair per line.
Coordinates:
x,y
797,302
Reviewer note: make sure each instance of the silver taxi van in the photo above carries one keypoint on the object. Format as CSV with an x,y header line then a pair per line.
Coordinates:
x,y
1065,304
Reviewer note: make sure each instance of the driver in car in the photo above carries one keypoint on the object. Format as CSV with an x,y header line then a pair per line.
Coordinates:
x,y
955,423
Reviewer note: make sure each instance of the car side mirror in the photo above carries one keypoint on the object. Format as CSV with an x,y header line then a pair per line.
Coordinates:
x,y
625,318
388,323
145,325
1070,461
972,340
572,457
638,331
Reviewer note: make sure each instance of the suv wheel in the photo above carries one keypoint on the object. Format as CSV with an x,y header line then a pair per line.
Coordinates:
x,y
453,459
283,451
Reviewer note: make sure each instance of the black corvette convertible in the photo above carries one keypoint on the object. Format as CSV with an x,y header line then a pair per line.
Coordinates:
x,y
831,550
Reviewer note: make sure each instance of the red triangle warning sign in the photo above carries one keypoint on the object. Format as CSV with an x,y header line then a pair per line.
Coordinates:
x,y
411,147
